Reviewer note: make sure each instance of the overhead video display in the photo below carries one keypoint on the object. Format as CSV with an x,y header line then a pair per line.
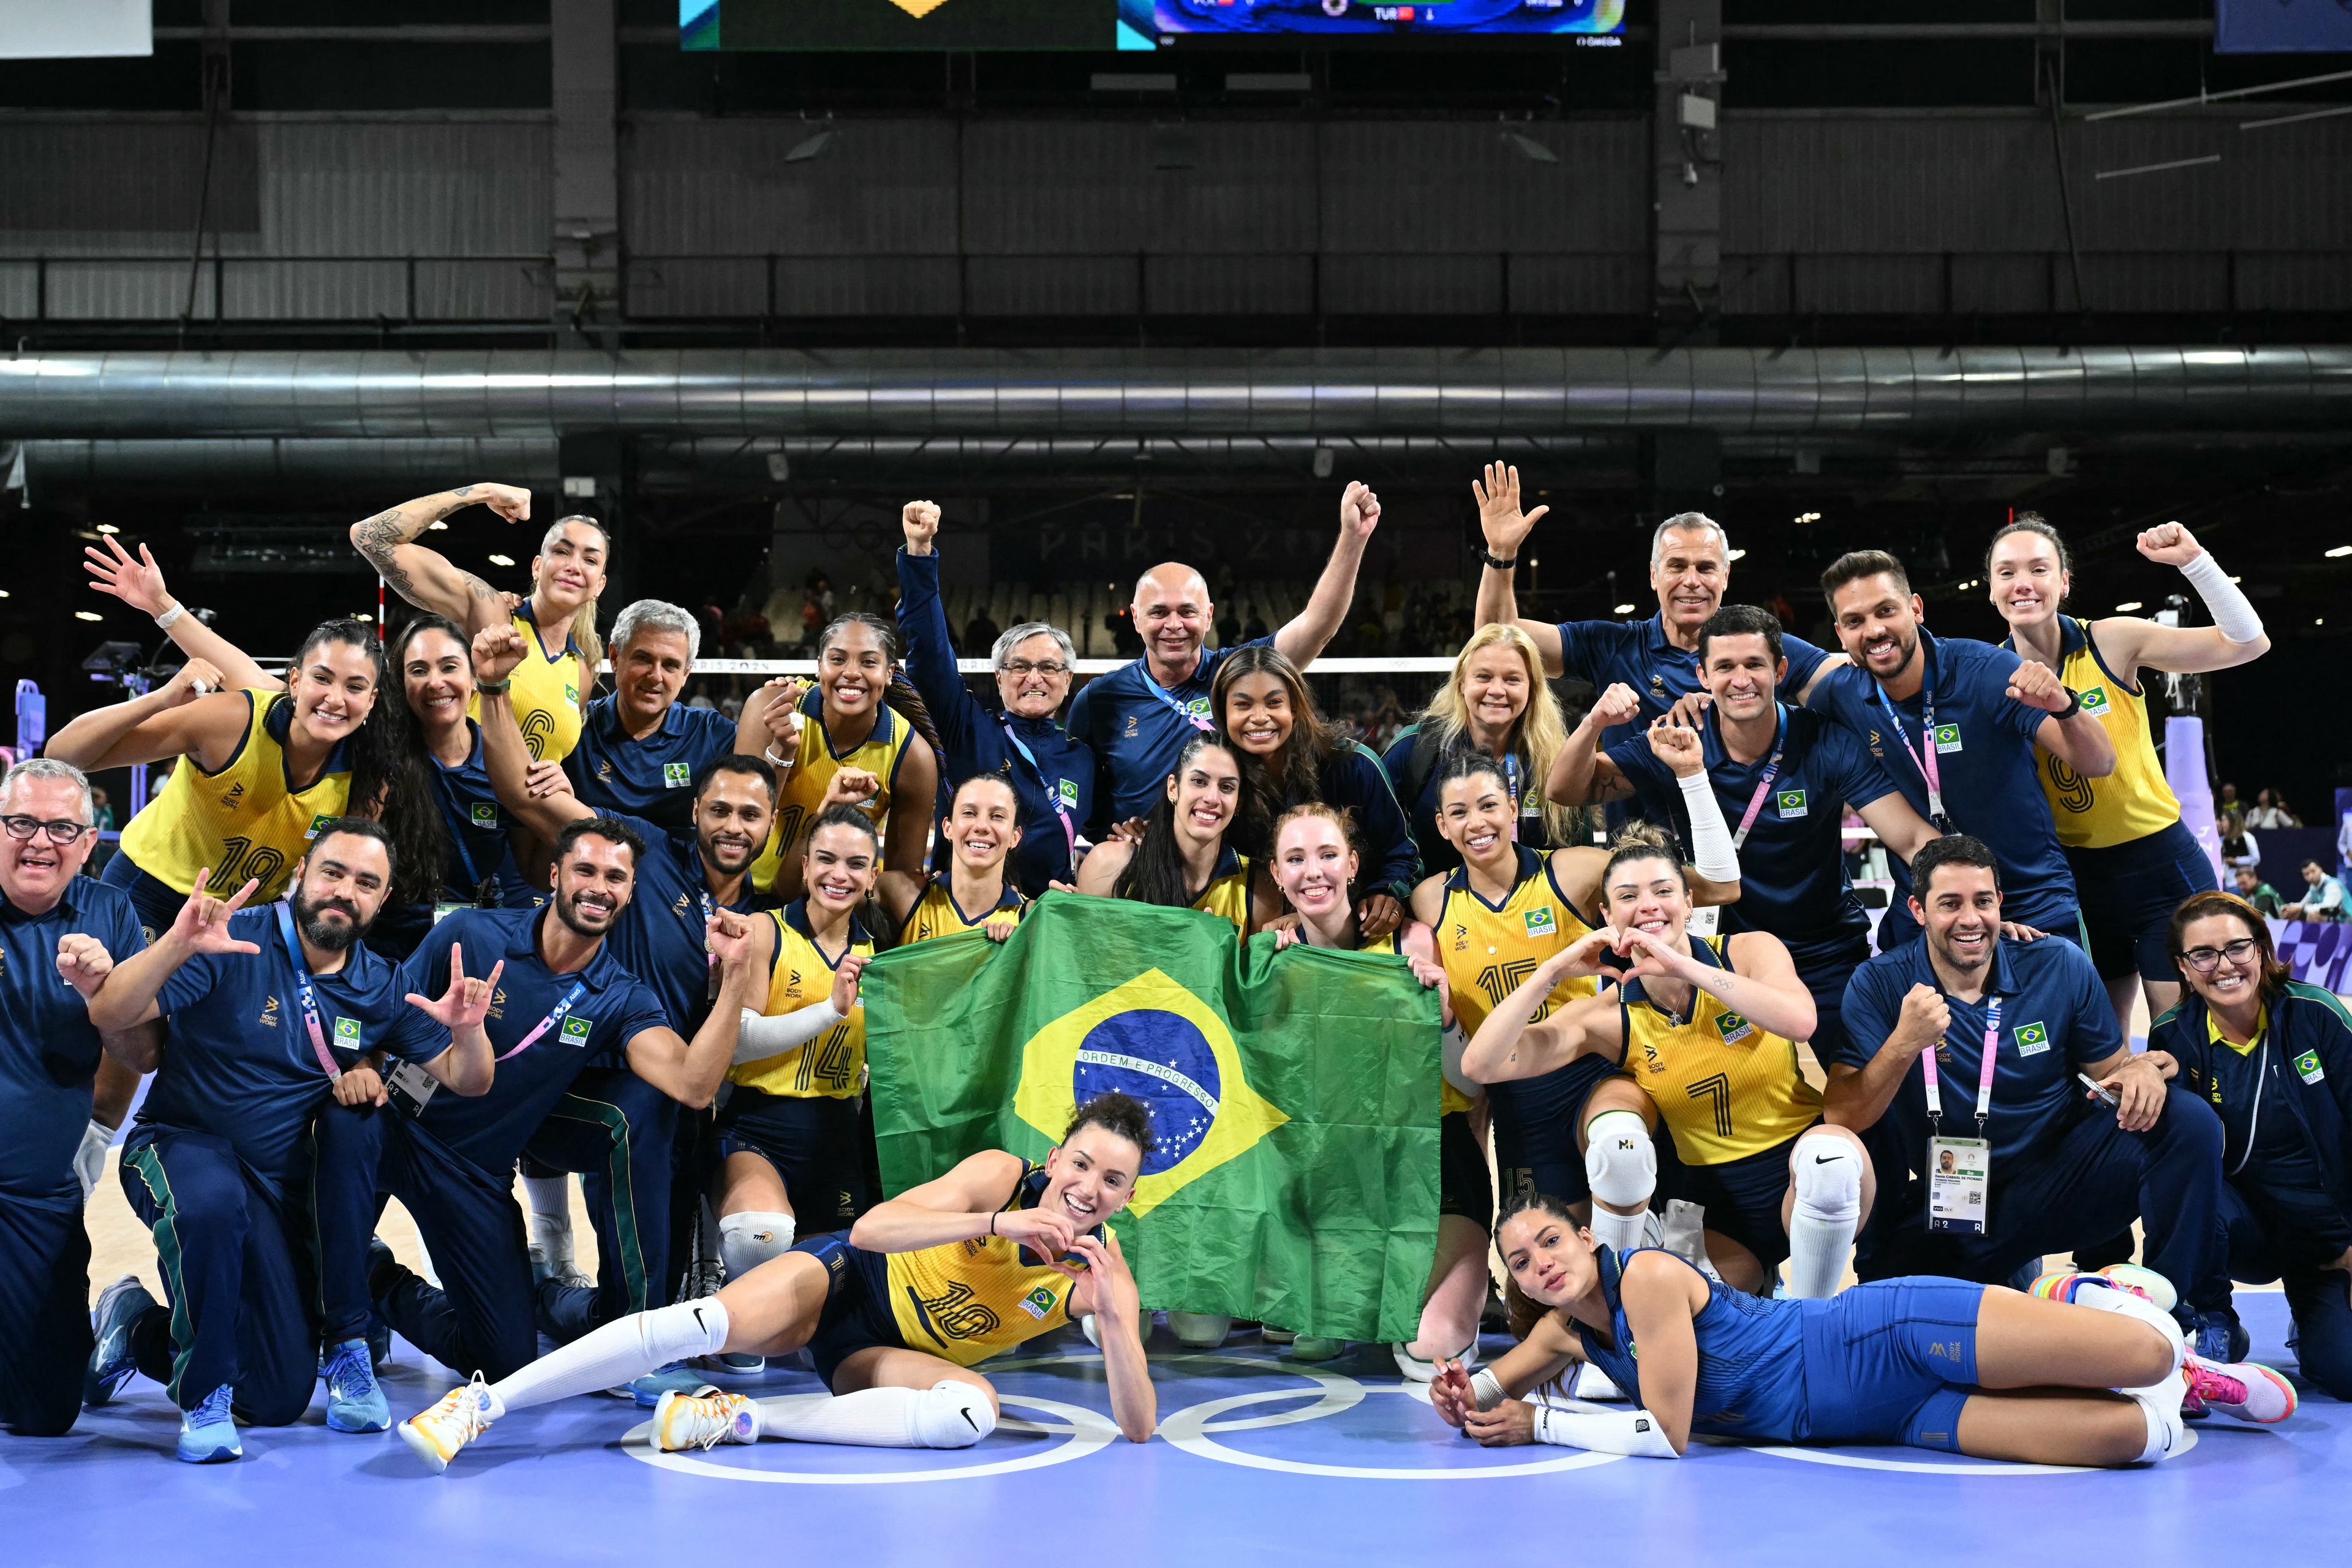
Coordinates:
x,y
706,24
1361,17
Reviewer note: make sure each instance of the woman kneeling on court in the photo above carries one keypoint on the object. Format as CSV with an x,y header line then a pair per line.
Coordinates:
x,y
895,1310
1935,1364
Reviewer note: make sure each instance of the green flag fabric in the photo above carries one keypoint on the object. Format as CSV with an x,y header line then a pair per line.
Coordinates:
x,y
1294,1097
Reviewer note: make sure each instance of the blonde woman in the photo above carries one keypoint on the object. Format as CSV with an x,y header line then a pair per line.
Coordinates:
x,y
1497,704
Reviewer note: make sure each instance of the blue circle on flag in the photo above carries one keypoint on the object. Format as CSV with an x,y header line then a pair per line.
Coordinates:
x,y
1162,1060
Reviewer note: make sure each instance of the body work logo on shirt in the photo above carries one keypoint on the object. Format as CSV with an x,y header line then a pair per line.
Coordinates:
x,y
2031,1039
317,824
1733,1027
347,1034
485,813
1947,737
269,1019
236,792
1038,1302
2308,1067
1541,923
676,775
1793,803
575,1030
2095,703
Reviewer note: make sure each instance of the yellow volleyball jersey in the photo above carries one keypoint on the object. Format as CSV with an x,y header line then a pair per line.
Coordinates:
x,y
1726,1087
1489,950
803,791
2134,801
966,1300
247,820
935,913
546,693
1449,1099
1228,893
832,1065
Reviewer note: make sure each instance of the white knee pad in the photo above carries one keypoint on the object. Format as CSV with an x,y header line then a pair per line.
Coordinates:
x,y
747,1240
1828,1180
952,1414
1620,1161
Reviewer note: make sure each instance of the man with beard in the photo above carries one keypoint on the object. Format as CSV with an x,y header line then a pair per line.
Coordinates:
x,y
273,1011
1139,717
2037,1167
567,1007
1978,712
614,1128
50,1054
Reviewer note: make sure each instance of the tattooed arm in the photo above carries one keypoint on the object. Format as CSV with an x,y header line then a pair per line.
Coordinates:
x,y
426,578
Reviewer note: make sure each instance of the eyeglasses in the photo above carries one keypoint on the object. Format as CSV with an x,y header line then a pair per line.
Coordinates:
x,y
60,832
1045,667
2201,959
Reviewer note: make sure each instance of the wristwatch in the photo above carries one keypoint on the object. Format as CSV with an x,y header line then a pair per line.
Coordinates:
x,y
493,687
1496,561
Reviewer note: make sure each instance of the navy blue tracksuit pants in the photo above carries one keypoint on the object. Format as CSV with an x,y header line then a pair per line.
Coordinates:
x,y
235,1276
621,1134
2079,1189
480,1320
45,1337
2319,1299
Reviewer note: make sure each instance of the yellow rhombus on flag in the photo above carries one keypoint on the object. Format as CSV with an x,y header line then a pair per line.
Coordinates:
x,y
918,8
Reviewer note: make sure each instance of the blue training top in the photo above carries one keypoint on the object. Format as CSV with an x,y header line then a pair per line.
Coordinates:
x,y
1987,766
1136,728
651,778
48,1051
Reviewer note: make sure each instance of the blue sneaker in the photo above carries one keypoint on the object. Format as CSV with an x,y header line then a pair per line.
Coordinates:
x,y
207,1433
2220,1338
120,1307
355,1401
676,1378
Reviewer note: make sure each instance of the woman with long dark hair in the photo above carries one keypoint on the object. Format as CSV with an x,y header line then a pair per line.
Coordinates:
x,y
2274,1057
1184,860
862,715
1288,756
2089,1373
266,769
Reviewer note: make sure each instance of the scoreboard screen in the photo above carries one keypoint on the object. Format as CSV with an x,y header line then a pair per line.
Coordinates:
x,y
1117,23
1357,18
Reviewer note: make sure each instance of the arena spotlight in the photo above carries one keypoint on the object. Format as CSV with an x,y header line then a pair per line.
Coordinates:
x,y
2128,607
2339,551
1621,609
88,615
501,560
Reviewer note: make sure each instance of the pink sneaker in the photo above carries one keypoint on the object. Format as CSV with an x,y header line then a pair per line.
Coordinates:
x,y
2247,1390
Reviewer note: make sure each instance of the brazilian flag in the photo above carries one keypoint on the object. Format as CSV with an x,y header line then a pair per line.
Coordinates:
x,y
1293,1098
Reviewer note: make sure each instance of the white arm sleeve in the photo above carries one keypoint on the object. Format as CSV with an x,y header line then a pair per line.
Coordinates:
x,y
1712,855
1634,1432
2232,611
763,1037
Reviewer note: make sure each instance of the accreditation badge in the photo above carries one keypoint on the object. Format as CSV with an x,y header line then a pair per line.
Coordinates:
x,y
409,1085
1960,1184
1704,921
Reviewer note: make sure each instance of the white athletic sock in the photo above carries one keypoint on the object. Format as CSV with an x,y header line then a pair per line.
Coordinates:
x,y
1827,1212
2159,1402
1617,1231
551,1215
624,1349
2108,1299
951,1414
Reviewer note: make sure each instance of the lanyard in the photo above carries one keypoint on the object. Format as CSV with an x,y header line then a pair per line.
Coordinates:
x,y
303,995
1984,1076
1511,783
1924,758
711,959
571,998
1053,797
1764,784
1161,692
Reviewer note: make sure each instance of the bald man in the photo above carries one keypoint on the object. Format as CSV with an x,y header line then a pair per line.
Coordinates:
x,y
1138,717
